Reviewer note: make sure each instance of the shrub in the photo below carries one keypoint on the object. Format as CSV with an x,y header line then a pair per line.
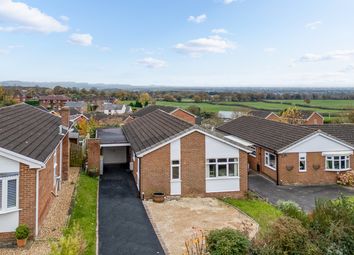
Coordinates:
x,y
72,244
346,178
227,242
196,245
286,236
293,210
22,232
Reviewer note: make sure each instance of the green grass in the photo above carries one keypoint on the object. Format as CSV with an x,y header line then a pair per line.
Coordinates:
x,y
339,104
262,212
206,107
84,211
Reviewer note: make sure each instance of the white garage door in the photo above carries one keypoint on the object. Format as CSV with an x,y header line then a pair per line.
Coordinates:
x,y
114,155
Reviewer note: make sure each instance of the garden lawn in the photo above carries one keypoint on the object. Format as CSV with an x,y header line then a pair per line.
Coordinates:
x,y
85,210
262,212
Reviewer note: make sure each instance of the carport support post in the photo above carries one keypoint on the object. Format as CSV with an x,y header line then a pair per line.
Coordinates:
x,y
94,155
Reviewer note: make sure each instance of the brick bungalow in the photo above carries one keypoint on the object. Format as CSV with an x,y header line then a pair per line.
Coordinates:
x,y
34,160
174,111
292,154
53,102
307,117
167,154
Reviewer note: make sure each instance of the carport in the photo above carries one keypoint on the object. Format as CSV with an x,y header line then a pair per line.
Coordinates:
x,y
114,147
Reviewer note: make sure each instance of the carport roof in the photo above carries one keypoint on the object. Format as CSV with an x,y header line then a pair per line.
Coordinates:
x,y
111,136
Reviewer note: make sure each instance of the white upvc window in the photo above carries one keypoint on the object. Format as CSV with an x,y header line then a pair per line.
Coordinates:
x,y
270,160
175,170
8,193
223,167
337,163
302,162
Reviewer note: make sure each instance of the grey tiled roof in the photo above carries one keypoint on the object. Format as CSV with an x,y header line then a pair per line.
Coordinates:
x,y
75,104
110,106
266,133
153,128
344,132
151,108
111,136
29,131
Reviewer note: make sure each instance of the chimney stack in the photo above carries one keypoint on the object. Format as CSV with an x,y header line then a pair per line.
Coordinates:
x,y
65,116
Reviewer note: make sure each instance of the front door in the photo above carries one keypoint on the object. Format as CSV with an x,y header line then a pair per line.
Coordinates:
x,y
175,178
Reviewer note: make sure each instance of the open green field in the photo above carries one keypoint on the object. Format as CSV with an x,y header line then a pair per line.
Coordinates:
x,y
207,107
339,104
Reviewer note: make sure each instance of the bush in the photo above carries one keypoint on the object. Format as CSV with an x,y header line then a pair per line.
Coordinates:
x,y
22,232
72,244
346,178
286,236
227,242
293,210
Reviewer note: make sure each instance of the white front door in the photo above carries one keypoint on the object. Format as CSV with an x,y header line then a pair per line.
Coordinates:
x,y
175,178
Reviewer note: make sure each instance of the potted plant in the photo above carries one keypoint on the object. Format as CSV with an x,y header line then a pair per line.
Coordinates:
x,y
22,233
158,197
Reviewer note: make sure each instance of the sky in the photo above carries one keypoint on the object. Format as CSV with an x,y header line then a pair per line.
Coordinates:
x,y
179,42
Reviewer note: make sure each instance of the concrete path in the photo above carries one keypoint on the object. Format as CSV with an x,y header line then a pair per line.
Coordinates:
x,y
305,196
124,227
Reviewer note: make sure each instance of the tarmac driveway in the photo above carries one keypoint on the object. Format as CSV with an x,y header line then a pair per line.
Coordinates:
x,y
124,227
305,196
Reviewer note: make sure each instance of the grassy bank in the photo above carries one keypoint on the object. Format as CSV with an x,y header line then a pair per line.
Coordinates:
x,y
262,212
84,211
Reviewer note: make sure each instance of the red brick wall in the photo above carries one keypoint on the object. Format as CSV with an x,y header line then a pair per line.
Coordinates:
x,y
311,176
93,154
314,120
155,171
27,196
184,116
260,159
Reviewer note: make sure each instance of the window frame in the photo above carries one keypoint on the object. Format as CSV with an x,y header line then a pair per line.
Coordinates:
x,y
4,193
267,155
225,162
303,157
179,169
333,160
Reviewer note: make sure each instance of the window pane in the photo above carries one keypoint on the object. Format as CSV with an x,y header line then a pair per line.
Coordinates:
x,y
302,165
336,163
175,172
11,193
222,160
175,162
211,160
232,160
342,163
231,169
212,170
347,162
222,170
329,164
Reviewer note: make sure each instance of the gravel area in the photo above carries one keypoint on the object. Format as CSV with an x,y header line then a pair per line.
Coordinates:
x,y
54,223
175,221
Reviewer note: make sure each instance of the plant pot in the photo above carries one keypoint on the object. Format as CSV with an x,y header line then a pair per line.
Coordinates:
x,y
158,197
21,243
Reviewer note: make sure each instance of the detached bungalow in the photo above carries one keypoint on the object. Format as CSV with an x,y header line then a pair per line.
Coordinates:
x,y
167,154
306,117
34,160
291,154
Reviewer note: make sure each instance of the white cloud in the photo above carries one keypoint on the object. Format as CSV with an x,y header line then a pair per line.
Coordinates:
x,y
198,19
81,39
9,48
64,18
333,55
21,17
219,31
152,63
348,69
269,50
313,25
211,44
229,1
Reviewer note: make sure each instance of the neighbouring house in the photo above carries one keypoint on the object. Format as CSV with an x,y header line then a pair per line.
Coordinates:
x,y
80,106
19,96
53,102
305,117
116,109
228,115
34,160
167,154
174,111
294,154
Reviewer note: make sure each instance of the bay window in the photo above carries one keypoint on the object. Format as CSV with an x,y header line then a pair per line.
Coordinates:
x,y
337,163
8,192
270,160
222,167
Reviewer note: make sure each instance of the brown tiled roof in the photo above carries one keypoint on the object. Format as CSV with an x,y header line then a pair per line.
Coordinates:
x,y
266,133
151,108
29,131
260,113
153,128
345,132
